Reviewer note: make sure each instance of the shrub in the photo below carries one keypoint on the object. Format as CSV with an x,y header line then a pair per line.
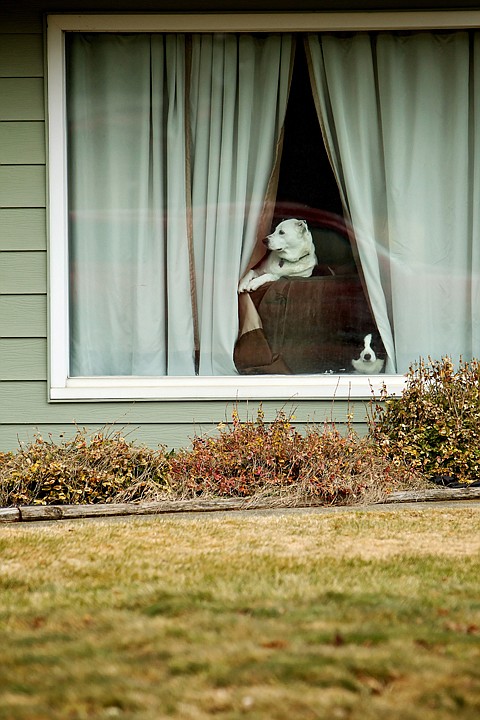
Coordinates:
x,y
251,458
434,426
254,457
84,469
244,457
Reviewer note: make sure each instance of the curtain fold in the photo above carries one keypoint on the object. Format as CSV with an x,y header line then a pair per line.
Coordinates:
x,y
238,98
400,114
130,306
170,155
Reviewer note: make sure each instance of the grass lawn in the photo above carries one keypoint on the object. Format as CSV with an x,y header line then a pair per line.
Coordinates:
x,y
283,616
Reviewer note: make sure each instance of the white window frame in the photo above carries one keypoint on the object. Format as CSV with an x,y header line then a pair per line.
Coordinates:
x,y
63,387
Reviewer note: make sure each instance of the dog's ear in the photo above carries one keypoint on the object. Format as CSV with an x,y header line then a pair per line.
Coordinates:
x,y
302,226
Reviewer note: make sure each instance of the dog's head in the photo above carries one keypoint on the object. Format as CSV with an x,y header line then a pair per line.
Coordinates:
x,y
291,239
368,363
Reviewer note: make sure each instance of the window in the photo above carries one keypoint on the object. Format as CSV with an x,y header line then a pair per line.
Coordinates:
x,y
177,143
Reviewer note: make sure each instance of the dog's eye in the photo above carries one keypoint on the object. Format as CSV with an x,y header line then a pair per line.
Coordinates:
x,y
281,232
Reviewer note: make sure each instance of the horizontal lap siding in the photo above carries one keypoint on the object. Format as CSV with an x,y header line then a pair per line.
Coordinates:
x,y
168,435
22,186
23,358
171,423
23,240
17,398
22,229
22,143
22,99
23,272
21,55
23,316
24,408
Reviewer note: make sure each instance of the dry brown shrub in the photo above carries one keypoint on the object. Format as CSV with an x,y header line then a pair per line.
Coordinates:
x,y
251,459
84,469
256,458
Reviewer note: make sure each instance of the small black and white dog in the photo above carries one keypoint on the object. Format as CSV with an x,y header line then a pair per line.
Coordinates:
x,y
368,363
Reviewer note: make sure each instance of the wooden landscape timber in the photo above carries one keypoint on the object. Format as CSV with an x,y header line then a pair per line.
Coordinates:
x,y
29,513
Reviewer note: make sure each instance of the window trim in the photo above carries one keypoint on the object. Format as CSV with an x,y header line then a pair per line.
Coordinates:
x,y
63,387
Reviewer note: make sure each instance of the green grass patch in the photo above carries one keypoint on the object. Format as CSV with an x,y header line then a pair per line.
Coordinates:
x,y
351,615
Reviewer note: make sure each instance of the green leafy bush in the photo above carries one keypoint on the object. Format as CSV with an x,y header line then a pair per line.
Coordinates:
x,y
84,469
434,426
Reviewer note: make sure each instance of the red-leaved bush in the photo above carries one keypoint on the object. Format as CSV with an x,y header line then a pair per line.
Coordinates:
x,y
255,457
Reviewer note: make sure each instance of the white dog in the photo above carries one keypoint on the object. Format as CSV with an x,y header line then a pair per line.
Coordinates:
x,y
292,254
368,363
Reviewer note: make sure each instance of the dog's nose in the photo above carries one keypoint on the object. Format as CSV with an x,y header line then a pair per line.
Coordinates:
x,y
265,241
367,357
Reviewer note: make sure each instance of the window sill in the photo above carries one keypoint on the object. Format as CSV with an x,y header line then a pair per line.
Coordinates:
x,y
260,387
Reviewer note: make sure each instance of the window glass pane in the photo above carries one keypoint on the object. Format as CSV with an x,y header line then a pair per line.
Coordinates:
x,y
356,154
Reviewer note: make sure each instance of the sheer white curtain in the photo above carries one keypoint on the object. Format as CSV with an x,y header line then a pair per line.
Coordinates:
x,y
402,123
134,138
130,301
238,99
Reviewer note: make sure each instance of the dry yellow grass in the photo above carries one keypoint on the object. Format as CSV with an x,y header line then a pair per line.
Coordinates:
x,y
282,616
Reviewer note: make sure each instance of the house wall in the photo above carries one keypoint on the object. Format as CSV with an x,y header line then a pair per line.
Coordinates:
x,y
24,407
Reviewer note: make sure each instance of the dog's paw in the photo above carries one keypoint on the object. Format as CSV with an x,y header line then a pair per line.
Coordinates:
x,y
244,284
255,283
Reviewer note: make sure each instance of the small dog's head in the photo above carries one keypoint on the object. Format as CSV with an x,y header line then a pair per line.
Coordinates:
x,y
368,363
291,239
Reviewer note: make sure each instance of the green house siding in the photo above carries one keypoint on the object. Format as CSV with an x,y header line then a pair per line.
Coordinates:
x,y
24,408
23,229
22,99
23,266
172,423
